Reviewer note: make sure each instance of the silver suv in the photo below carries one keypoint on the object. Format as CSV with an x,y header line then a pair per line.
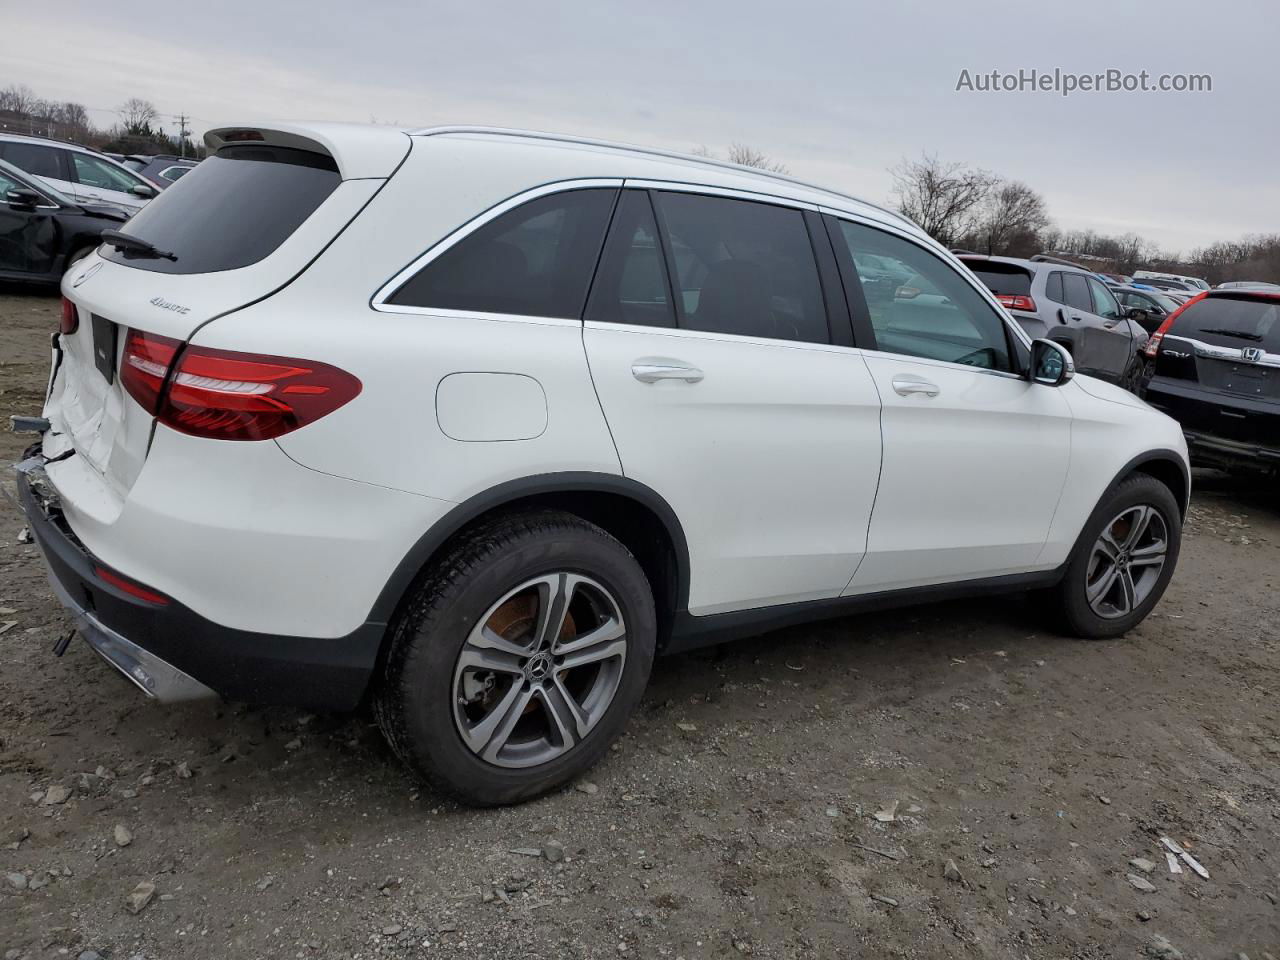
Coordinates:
x,y
1057,300
85,175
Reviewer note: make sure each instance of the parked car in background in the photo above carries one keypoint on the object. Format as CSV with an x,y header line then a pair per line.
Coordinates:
x,y
1070,305
1191,283
1115,279
625,402
1248,285
161,169
84,175
1151,306
1216,370
43,232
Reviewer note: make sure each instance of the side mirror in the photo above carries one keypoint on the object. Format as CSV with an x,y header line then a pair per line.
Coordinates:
x,y
142,190
21,197
1051,363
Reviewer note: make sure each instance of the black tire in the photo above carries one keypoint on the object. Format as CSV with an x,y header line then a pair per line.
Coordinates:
x,y
415,697
1068,602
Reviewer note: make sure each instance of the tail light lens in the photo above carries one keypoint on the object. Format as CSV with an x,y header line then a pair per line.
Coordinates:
x,y
1153,345
228,395
70,321
1016,302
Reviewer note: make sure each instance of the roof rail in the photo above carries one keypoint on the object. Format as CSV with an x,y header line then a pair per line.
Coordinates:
x,y
960,252
655,152
1061,261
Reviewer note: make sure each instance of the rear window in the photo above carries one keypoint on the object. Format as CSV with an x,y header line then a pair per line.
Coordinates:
x,y
232,210
1002,279
1232,322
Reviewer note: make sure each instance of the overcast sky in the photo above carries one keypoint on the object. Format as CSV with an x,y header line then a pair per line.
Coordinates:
x,y
839,92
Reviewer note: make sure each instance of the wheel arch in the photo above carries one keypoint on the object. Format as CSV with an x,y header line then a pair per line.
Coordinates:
x,y
1168,467
635,514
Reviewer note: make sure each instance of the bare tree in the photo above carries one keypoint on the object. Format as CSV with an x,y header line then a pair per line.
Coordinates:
x,y
745,156
943,198
19,98
137,116
1010,220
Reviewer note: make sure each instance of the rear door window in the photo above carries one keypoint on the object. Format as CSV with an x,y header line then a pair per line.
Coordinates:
x,y
35,158
1075,292
631,285
535,261
234,209
743,267
1232,322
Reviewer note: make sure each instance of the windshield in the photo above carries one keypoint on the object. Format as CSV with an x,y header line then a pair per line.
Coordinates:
x,y
230,211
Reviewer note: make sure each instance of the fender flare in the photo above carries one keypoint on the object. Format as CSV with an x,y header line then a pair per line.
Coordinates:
x,y
1162,455
568,482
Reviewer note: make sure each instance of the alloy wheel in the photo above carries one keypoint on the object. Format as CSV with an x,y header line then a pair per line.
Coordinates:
x,y
539,670
1126,561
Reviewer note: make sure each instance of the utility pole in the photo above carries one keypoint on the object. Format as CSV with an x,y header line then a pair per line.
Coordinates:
x,y
182,135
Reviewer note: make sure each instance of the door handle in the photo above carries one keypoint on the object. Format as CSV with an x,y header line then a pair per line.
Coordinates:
x,y
651,371
906,386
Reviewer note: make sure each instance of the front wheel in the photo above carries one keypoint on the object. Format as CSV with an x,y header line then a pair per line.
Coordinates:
x,y
1122,562
518,659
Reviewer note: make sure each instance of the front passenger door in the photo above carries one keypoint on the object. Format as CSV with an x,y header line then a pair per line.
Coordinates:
x,y
975,455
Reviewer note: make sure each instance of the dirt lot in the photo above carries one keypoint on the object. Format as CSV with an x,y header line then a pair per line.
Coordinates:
x,y
737,817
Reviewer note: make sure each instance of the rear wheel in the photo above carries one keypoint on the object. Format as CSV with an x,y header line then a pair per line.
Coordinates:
x,y
77,257
518,659
1122,562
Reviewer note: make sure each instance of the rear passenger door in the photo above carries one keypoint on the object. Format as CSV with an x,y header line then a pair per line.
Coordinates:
x,y
975,454
48,163
720,349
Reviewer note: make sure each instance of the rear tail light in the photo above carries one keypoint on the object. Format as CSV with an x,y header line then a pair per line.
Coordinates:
x,y
130,587
228,395
70,321
1153,345
1016,302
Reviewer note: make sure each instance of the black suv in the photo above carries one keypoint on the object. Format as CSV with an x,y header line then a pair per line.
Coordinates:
x,y
1216,371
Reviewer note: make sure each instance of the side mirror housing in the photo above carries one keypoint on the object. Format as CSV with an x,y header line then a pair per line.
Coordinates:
x,y
142,190
22,197
1051,363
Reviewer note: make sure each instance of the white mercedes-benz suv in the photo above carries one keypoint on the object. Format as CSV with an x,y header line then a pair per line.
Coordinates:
x,y
473,423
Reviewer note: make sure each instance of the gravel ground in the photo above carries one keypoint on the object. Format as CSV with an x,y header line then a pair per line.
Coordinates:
x,y
738,816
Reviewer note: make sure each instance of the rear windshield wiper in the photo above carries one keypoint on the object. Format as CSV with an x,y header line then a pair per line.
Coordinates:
x,y
1239,335
134,244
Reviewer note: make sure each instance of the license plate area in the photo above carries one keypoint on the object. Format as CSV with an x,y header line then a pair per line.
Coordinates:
x,y
104,347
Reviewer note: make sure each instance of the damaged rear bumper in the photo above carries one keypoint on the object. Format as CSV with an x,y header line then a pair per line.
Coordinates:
x,y
170,652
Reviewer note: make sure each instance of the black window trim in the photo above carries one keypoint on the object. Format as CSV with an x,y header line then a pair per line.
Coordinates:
x,y
1016,342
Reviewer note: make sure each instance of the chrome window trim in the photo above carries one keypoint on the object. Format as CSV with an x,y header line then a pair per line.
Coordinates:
x,y
379,300
1232,354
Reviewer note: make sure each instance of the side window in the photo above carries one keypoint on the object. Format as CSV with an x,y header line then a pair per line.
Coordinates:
x,y
93,172
920,306
535,260
1076,292
1053,287
35,158
7,183
631,284
1104,301
743,267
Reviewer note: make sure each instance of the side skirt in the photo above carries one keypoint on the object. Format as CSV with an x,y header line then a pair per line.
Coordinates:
x,y
689,632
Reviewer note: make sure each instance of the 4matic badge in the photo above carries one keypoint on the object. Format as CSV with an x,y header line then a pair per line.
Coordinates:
x,y
164,304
